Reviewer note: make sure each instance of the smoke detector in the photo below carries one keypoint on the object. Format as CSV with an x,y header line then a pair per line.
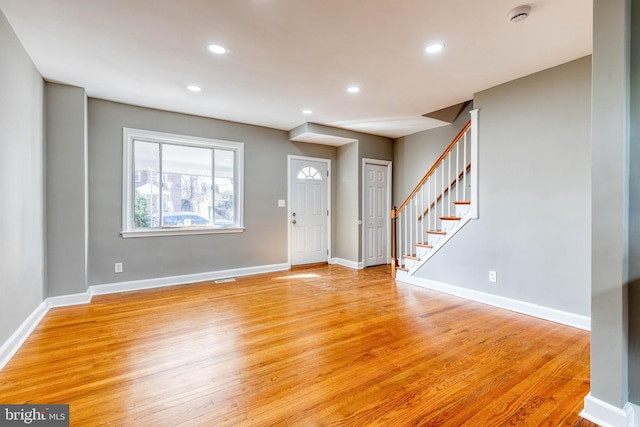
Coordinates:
x,y
519,13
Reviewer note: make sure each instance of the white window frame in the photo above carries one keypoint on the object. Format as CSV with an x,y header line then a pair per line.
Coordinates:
x,y
129,135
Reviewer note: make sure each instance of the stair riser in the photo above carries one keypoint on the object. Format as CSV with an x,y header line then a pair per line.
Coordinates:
x,y
448,225
422,252
462,210
435,238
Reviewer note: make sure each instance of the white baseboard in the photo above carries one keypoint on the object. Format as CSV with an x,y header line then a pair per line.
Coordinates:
x,y
558,316
347,263
633,414
15,341
136,285
66,300
607,415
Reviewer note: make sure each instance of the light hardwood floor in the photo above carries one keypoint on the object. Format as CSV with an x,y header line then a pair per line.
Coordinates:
x,y
320,346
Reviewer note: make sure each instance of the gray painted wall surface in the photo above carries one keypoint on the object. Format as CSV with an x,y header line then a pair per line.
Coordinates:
x,y
347,227
415,154
610,197
21,183
634,211
264,241
66,189
534,200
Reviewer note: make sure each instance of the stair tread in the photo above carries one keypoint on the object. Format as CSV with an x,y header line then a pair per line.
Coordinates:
x,y
424,245
402,269
462,202
450,218
412,257
437,232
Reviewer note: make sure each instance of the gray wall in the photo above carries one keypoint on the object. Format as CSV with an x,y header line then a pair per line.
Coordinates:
x,y
21,183
346,211
67,199
610,201
264,241
634,211
534,199
415,154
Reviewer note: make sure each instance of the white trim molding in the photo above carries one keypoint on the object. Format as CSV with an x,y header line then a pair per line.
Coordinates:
x,y
558,316
606,415
11,346
67,300
136,285
633,414
347,263
132,136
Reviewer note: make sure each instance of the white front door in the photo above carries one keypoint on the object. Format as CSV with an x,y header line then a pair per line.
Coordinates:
x,y
376,214
308,210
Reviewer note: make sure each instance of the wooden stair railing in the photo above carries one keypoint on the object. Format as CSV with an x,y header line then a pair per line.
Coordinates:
x,y
441,181
435,166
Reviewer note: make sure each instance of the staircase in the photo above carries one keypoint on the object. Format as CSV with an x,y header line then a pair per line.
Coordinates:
x,y
439,206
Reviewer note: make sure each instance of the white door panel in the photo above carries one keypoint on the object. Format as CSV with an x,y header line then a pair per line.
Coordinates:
x,y
308,211
376,214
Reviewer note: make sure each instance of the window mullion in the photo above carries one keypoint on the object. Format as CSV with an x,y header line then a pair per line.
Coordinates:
x,y
132,185
213,186
160,184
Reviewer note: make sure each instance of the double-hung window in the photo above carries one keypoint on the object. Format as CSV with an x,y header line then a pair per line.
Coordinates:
x,y
175,184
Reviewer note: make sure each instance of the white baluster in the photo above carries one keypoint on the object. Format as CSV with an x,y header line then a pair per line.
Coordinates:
x,y
444,185
429,203
403,239
464,166
474,163
406,224
422,213
435,197
457,170
418,217
449,182
412,221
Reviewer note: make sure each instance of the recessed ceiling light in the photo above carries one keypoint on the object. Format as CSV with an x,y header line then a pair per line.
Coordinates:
x,y
307,112
194,88
519,13
435,47
216,48
353,89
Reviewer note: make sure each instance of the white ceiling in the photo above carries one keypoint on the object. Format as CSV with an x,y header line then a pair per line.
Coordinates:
x,y
290,55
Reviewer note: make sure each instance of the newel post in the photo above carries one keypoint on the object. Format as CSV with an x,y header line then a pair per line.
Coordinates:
x,y
474,164
393,242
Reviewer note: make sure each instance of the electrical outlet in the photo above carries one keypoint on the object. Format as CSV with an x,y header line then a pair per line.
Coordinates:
x,y
493,276
118,267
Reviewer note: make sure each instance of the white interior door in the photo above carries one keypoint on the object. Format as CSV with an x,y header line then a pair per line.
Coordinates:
x,y
376,214
308,211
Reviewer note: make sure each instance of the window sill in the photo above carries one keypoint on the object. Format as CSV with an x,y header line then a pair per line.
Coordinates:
x,y
179,232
